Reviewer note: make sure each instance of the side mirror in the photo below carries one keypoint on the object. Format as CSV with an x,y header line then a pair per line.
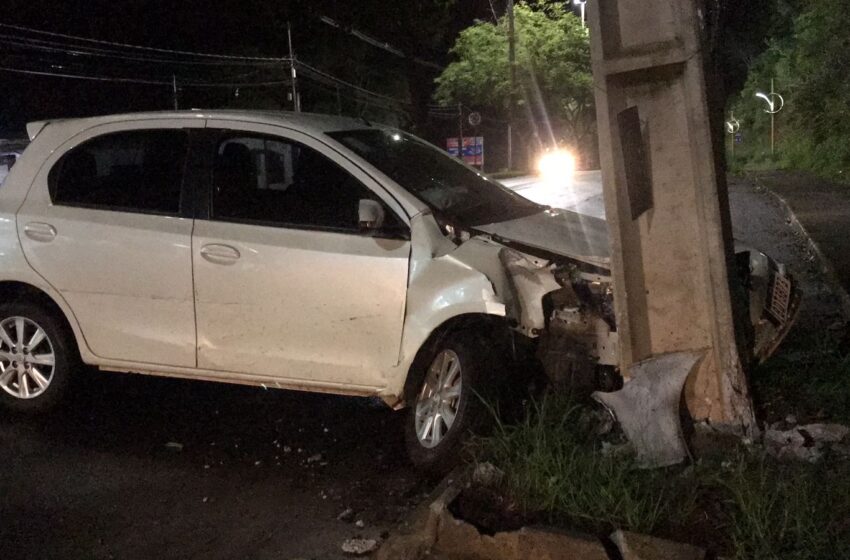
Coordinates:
x,y
371,214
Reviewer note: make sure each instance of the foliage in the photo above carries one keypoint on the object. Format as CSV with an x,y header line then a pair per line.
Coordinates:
x,y
745,504
554,82
809,67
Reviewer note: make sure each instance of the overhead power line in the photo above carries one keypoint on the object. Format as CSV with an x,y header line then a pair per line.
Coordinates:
x,y
138,47
68,46
73,50
377,43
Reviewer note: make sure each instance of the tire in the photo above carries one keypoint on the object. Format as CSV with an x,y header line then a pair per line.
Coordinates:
x,y
480,381
43,384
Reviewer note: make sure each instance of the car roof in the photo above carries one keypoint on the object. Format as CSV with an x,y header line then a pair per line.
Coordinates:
x,y
311,122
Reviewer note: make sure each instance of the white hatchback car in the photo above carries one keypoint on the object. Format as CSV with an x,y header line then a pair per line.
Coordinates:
x,y
302,252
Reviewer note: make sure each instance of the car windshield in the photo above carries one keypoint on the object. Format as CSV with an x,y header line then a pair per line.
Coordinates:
x,y
451,189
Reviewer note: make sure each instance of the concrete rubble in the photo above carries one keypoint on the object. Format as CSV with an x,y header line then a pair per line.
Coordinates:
x,y
359,547
487,475
807,442
634,546
433,532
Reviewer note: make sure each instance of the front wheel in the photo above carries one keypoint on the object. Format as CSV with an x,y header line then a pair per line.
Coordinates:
x,y
450,401
37,354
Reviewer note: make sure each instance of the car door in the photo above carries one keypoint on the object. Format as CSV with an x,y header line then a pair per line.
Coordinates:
x,y
286,284
108,224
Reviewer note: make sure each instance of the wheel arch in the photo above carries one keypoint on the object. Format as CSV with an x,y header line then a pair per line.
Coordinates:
x,y
15,290
493,327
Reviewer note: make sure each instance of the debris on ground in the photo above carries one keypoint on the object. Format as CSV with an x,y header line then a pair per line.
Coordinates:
x,y
347,515
314,458
359,547
487,475
807,442
359,524
174,446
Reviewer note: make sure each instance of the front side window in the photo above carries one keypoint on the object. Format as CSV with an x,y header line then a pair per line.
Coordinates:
x,y
272,181
448,187
131,171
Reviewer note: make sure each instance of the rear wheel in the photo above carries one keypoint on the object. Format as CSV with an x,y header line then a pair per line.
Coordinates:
x,y
461,374
37,355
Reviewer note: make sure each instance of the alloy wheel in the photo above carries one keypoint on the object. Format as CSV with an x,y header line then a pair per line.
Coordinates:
x,y
437,403
27,360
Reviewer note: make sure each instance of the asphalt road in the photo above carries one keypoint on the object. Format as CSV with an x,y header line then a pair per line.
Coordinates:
x,y
142,467
138,467
582,193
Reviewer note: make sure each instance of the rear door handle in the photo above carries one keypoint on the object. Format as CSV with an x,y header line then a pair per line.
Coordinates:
x,y
220,254
39,231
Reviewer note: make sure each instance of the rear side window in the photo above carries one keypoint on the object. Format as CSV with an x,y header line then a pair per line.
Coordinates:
x,y
130,171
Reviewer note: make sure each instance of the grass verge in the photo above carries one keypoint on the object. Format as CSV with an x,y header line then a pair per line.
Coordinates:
x,y
747,505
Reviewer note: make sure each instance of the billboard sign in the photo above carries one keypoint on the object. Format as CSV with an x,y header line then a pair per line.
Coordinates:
x,y
473,149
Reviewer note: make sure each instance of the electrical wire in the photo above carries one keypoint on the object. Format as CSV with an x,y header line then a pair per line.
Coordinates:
x,y
73,50
139,47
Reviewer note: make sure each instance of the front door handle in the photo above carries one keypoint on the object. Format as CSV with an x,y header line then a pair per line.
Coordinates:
x,y
39,231
220,254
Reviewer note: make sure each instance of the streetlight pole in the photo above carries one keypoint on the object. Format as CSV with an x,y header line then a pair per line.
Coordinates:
x,y
460,131
775,102
581,4
772,123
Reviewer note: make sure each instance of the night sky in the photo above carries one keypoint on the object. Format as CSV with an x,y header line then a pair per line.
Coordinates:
x,y
258,28
244,27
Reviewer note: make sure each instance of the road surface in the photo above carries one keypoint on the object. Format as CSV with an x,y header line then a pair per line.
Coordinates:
x,y
582,193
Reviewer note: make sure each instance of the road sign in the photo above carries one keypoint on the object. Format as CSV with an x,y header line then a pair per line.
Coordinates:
x,y
739,138
475,118
473,149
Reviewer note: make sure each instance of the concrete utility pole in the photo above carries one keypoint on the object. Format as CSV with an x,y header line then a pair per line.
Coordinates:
x,y
512,62
296,101
668,219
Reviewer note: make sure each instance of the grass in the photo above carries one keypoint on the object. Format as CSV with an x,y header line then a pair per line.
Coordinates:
x,y
746,505
809,378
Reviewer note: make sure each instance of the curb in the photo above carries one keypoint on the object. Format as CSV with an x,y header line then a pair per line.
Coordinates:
x,y
433,532
825,264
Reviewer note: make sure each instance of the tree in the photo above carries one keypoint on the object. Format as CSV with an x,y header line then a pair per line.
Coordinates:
x,y
554,82
807,58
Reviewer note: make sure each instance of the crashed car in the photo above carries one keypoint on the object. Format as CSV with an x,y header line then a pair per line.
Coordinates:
x,y
10,151
302,252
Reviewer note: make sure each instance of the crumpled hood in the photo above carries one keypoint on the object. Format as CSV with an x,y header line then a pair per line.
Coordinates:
x,y
577,236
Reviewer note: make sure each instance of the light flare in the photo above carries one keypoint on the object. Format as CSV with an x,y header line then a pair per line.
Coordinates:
x,y
557,167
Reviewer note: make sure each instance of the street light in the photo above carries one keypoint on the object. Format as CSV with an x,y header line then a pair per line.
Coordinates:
x,y
775,102
581,4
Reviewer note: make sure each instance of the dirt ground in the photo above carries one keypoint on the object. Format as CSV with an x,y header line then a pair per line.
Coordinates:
x,y
138,467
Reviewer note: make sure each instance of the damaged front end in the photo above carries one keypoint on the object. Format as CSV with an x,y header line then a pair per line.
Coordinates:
x,y
774,300
562,303
568,308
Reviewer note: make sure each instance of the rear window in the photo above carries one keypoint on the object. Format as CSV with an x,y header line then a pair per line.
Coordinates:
x,y
131,171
